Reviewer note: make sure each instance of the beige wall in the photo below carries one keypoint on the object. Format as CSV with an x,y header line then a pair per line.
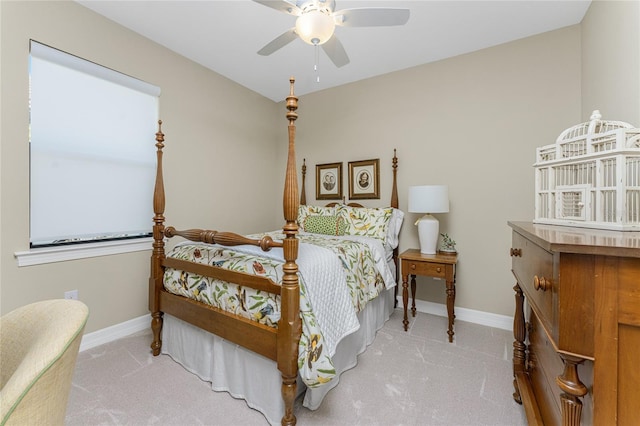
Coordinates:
x,y
207,120
472,122
611,60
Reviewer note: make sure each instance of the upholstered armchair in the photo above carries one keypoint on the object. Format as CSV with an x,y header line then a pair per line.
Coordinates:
x,y
39,345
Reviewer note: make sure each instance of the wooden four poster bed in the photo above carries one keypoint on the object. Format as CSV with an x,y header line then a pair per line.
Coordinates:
x,y
247,341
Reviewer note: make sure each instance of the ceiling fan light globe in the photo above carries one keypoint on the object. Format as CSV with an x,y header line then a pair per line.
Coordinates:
x,y
315,27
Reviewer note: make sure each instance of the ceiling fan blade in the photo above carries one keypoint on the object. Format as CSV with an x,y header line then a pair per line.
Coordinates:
x,y
278,42
371,17
334,50
281,6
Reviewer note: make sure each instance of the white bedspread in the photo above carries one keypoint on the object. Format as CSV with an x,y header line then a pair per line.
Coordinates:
x,y
321,271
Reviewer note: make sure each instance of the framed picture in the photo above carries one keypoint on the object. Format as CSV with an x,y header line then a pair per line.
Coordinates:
x,y
364,178
329,181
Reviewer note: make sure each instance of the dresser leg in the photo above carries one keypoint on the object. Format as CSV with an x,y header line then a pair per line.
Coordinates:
x,y
572,389
571,410
519,347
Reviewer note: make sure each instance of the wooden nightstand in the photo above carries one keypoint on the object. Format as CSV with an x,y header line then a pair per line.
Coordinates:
x,y
439,265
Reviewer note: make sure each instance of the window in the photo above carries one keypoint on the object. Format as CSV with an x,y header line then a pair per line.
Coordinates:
x,y
92,151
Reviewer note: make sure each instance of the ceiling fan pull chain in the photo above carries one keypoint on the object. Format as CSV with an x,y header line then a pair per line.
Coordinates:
x,y
316,54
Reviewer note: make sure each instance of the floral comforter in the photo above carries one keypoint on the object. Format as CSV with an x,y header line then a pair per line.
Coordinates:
x,y
327,308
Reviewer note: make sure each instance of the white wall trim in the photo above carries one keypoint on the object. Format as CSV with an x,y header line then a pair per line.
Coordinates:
x,y
42,255
463,314
115,332
124,329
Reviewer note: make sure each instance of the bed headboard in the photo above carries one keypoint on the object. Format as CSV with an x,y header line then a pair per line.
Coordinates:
x,y
394,189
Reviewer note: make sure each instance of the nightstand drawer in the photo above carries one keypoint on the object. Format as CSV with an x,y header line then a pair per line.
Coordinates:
x,y
422,268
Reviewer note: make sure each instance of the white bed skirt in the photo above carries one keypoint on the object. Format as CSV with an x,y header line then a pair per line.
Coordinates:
x,y
254,378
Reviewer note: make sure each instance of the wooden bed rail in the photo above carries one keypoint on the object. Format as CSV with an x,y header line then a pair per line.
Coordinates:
x,y
266,243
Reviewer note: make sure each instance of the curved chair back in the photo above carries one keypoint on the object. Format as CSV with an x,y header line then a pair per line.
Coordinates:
x,y
39,345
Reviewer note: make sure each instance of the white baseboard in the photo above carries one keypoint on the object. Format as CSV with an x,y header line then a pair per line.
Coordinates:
x,y
463,314
109,334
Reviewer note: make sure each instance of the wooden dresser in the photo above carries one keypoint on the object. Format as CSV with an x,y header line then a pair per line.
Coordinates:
x,y
576,354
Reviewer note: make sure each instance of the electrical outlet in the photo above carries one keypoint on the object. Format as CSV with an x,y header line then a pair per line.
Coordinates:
x,y
73,294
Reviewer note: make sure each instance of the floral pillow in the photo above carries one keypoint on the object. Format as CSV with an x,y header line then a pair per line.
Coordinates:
x,y
306,210
327,225
368,222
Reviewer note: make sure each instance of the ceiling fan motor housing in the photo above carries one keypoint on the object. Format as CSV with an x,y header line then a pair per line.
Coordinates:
x,y
324,6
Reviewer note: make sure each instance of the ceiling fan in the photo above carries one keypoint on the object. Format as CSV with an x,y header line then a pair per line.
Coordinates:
x,y
317,19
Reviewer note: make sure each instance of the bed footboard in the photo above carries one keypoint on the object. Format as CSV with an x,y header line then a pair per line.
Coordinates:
x,y
279,344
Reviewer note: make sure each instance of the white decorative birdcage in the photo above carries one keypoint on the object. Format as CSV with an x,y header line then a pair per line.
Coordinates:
x,y
590,177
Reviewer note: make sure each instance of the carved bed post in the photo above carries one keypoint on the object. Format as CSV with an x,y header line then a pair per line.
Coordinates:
x,y
394,188
158,255
303,193
289,326
395,204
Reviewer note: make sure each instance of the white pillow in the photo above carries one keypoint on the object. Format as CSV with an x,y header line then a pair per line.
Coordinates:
x,y
393,232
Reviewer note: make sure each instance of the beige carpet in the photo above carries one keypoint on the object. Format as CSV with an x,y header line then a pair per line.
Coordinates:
x,y
404,378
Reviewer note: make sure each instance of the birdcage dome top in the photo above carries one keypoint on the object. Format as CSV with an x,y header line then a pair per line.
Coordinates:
x,y
595,125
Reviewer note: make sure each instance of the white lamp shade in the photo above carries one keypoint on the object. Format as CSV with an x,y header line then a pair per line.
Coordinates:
x,y
429,199
315,27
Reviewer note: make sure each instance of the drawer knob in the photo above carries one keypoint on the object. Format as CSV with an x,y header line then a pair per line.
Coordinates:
x,y
530,364
515,252
438,269
541,283
413,266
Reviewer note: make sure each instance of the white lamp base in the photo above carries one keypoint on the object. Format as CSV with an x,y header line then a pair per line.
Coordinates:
x,y
428,228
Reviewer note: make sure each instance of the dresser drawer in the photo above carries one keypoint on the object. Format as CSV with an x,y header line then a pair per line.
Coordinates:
x,y
533,268
544,366
422,268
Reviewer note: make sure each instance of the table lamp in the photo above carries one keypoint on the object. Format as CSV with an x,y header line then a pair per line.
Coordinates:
x,y
428,199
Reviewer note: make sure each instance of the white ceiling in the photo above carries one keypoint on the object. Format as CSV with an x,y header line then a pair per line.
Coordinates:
x,y
225,36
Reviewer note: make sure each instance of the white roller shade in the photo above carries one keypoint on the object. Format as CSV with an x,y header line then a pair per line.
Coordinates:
x,y
92,150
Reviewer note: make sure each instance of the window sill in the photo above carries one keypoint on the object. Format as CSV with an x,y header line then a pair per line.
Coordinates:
x,y
81,251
